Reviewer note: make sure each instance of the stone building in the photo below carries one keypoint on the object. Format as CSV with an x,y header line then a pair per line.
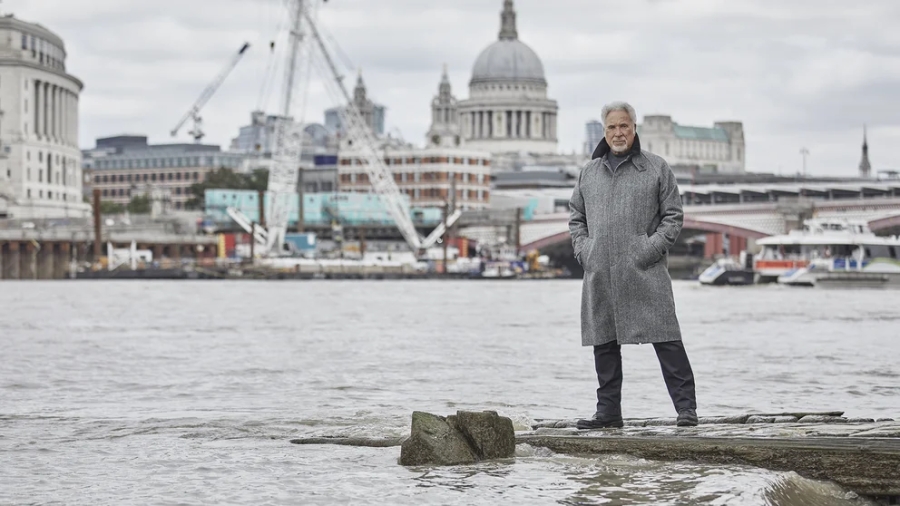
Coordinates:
x,y
40,163
372,113
718,149
125,166
427,176
508,109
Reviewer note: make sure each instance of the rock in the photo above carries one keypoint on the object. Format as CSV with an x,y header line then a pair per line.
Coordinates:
x,y
550,431
660,422
711,420
760,419
434,441
635,423
885,420
861,420
785,419
822,419
350,441
739,419
490,435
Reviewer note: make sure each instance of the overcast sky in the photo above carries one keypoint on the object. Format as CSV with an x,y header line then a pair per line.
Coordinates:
x,y
798,73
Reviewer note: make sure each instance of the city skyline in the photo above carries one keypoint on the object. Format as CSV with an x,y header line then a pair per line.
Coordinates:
x,y
796,77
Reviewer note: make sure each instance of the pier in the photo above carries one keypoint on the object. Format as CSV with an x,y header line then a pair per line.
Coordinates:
x,y
862,455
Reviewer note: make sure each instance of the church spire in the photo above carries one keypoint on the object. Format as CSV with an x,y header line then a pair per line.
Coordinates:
x,y
359,92
865,168
508,22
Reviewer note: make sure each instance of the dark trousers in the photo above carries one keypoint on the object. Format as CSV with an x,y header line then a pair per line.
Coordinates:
x,y
673,361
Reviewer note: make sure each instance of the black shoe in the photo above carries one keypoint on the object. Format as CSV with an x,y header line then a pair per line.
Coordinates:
x,y
601,421
687,418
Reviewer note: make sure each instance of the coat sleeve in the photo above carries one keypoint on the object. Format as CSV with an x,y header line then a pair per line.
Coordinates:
x,y
578,227
671,212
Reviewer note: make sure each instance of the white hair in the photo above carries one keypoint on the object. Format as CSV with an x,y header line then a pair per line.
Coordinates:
x,y
618,106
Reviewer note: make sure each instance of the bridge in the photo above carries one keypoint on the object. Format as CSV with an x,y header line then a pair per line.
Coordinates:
x,y
729,217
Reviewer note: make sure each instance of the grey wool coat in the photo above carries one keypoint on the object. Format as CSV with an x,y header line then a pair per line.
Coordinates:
x,y
623,223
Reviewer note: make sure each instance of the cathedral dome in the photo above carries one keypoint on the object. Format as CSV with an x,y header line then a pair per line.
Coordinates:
x,y
508,60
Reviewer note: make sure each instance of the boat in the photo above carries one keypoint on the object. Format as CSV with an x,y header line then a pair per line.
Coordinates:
x,y
830,253
729,272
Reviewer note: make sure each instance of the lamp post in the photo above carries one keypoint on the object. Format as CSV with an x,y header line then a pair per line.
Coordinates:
x,y
804,153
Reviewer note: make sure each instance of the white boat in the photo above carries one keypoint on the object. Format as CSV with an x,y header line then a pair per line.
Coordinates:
x,y
728,272
830,253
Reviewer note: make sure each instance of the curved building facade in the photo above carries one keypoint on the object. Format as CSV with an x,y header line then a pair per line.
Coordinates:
x,y
40,163
508,109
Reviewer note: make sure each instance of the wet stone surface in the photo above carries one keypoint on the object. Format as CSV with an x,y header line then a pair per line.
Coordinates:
x,y
781,425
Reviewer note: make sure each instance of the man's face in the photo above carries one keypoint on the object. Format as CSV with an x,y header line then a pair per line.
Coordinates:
x,y
619,131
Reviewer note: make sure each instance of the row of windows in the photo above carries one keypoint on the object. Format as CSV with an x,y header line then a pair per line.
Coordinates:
x,y
40,156
45,52
61,176
418,177
126,192
50,195
435,193
162,176
181,161
423,160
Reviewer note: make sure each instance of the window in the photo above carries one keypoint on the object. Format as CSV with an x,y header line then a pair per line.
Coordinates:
x,y
50,195
40,176
153,177
178,176
171,176
24,41
196,176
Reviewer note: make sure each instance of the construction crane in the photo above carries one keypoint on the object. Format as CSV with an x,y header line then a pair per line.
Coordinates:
x,y
194,113
289,142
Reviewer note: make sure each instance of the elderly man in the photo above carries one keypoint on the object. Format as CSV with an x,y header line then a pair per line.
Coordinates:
x,y
625,214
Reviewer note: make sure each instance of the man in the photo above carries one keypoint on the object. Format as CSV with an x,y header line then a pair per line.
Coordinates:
x,y
625,214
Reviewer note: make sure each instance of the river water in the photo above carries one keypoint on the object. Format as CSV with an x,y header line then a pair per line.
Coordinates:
x,y
188,392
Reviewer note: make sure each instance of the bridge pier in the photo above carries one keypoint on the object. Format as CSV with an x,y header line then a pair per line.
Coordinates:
x,y
62,259
715,245
28,261
11,261
45,261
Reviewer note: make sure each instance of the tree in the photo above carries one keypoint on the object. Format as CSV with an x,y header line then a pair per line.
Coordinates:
x,y
140,204
227,179
107,207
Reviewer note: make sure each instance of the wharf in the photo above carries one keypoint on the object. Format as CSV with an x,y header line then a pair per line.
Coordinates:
x,y
862,455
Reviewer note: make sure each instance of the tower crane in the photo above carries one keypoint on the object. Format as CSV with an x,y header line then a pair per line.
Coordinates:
x,y
194,113
289,142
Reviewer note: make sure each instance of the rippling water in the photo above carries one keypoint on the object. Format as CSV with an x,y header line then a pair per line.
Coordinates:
x,y
187,392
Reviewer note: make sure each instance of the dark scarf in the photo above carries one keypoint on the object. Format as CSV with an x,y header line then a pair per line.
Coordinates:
x,y
603,148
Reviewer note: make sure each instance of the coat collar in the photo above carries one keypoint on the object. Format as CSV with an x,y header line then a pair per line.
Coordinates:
x,y
636,157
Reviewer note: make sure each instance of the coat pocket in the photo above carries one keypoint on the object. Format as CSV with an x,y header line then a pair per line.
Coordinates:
x,y
646,255
586,254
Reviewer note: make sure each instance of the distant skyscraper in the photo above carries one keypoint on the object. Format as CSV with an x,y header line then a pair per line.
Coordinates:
x,y
594,134
865,168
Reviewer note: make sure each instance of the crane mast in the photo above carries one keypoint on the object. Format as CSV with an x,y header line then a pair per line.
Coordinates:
x,y
284,172
194,112
362,139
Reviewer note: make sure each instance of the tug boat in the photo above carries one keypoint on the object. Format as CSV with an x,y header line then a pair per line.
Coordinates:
x,y
729,272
